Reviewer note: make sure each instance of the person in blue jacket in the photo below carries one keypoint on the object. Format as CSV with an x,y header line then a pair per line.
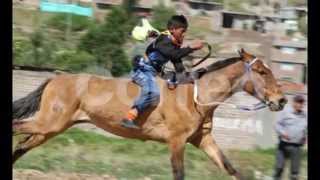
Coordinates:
x,y
166,47
291,128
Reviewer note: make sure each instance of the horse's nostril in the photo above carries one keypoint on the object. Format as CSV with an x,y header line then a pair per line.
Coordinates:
x,y
283,101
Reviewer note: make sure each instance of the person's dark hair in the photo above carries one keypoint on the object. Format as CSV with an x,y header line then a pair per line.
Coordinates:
x,y
177,21
299,99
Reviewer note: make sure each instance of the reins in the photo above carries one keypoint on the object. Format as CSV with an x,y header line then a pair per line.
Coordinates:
x,y
255,107
204,58
164,68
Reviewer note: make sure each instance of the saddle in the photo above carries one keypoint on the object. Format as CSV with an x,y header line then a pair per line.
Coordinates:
x,y
174,78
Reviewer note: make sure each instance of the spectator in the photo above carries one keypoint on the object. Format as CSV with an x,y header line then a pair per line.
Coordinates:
x,y
291,128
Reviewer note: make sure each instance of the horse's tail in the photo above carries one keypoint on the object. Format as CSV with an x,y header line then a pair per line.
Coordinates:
x,y
28,105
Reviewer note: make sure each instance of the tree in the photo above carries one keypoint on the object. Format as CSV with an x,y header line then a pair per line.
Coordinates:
x,y
161,15
106,41
302,25
37,41
73,60
20,48
60,22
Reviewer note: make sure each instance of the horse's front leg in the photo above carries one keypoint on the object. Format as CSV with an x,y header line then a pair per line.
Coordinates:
x,y
209,146
176,147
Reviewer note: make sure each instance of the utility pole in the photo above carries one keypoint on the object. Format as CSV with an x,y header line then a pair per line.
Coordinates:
x,y
69,24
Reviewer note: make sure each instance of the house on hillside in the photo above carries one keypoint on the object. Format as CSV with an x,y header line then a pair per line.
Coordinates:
x,y
252,41
250,21
203,7
291,15
142,8
289,60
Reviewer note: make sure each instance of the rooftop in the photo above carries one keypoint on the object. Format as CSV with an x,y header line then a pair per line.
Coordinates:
x,y
141,3
207,3
290,43
292,88
295,8
111,2
296,57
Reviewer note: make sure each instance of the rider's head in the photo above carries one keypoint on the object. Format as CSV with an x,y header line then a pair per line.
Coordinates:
x,y
177,25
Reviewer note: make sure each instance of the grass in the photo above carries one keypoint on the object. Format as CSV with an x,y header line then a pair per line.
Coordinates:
x,y
28,21
87,152
28,17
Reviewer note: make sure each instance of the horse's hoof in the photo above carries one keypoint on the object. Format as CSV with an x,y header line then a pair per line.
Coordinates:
x,y
238,176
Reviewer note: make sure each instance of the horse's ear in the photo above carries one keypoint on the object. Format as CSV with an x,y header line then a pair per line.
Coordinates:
x,y
240,52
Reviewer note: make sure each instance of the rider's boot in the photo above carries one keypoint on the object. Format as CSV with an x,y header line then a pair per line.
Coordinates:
x,y
128,122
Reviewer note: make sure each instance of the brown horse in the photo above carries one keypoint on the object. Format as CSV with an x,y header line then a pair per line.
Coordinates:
x,y
178,119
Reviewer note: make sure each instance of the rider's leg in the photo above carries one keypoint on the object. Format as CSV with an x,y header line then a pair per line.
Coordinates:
x,y
172,81
149,96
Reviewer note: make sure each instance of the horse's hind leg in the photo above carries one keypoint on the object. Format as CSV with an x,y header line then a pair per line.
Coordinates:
x,y
209,146
37,135
26,127
26,144
44,126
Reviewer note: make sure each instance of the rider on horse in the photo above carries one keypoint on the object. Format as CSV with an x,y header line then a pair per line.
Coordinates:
x,y
167,46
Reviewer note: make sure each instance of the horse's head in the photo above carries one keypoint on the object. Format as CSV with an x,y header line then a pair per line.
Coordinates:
x,y
260,82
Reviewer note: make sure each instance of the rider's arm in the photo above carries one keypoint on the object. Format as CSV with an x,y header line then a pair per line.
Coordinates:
x,y
167,48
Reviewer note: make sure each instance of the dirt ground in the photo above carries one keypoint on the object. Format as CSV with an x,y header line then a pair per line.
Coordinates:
x,y
30,174
37,175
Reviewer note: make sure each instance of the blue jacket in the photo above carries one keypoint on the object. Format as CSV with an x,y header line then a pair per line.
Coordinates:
x,y
292,123
163,49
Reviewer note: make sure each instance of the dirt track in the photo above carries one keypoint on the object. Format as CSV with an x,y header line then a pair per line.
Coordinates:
x,y
37,175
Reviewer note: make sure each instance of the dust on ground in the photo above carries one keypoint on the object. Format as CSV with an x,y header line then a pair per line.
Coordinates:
x,y
28,174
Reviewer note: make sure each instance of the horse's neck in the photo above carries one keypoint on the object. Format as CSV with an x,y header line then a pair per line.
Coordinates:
x,y
219,85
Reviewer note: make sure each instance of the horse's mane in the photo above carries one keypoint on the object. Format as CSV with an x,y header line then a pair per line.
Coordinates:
x,y
217,65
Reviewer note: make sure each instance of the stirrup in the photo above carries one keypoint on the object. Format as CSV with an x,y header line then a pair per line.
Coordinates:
x,y
129,124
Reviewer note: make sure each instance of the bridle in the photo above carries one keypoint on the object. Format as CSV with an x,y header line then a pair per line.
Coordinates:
x,y
248,70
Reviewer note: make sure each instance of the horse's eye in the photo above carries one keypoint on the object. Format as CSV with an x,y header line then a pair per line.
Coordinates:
x,y
263,73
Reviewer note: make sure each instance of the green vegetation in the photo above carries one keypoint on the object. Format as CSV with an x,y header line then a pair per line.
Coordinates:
x,y
303,26
75,60
44,40
161,16
297,2
88,152
61,22
29,17
236,6
106,41
20,48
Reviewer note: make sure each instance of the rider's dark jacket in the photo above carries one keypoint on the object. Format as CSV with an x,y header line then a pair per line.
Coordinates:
x,y
162,49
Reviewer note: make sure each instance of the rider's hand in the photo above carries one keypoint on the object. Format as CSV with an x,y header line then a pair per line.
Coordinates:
x,y
197,45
